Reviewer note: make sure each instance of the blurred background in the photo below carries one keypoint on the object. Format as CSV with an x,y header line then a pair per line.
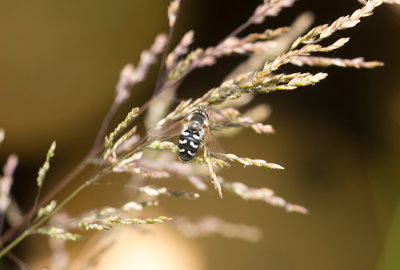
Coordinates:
x,y
338,140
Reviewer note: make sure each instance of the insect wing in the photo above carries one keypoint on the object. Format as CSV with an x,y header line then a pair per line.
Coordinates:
x,y
166,131
213,146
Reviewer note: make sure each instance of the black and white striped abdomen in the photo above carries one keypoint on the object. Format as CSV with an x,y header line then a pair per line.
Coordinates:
x,y
188,145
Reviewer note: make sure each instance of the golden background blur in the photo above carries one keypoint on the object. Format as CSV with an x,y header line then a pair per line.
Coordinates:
x,y
339,140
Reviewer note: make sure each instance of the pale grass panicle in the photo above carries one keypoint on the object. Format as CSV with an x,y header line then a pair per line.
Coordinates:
x,y
127,150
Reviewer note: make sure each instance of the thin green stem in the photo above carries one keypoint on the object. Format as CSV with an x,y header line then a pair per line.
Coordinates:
x,y
34,205
28,231
104,125
47,198
39,222
10,246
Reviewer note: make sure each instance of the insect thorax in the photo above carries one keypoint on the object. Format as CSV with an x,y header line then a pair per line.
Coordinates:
x,y
200,116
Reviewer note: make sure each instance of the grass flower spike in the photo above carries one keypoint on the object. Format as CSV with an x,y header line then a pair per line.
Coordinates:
x,y
180,142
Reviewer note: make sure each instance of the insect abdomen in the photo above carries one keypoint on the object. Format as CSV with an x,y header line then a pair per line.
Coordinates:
x,y
188,145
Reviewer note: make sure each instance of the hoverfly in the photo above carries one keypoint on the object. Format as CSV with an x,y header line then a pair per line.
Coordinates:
x,y
194,133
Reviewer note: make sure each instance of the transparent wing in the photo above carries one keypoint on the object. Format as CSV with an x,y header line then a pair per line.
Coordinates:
x,y
213,145
165,131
